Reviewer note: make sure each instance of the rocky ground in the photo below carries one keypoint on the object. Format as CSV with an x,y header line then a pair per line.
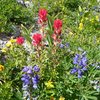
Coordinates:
x,y
3,39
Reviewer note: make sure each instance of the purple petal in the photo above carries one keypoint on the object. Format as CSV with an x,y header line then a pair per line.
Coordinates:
x,y
79,76
61,45
25,69
79,73
36,68
84,69
35,79
74,70
30,71
76,59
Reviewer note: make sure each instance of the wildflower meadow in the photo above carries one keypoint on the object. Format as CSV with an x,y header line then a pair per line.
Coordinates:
x,y
51,51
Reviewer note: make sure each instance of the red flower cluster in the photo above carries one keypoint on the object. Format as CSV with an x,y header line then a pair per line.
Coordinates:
x,y
37,38
57,31
57,26
20,40
42,15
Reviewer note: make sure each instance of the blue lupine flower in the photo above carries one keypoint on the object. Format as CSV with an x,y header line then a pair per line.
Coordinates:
x,y
61,45
29,79
30,71
76,59
25,69
35,79
26,79
36,68
81,62
79,73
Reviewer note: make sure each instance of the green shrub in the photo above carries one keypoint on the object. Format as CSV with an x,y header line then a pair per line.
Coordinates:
x,y
12,13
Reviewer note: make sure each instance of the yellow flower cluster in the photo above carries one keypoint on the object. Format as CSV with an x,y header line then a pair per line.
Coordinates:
x,y
9,44
61,98
1,67
49,84
80,26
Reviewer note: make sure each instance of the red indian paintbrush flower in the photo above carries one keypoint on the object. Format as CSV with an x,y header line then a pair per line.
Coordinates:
x,y
20,40
57,26
42,15
37,38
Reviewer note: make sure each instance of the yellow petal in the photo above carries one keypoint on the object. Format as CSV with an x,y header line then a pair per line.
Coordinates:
x,y
80,26
12,40
4,50
8,44
1,67
61,98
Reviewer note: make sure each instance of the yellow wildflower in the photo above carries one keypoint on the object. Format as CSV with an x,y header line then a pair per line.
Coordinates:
x,y
61,98
80,26
49,84
4,49
8,44
1,67
97,18
12,40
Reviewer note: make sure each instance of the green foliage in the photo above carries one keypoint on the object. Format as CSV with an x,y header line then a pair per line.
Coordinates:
x,y
12,13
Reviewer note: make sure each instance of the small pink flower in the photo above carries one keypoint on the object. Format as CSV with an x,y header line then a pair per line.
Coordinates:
x,y
20,40
37,38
